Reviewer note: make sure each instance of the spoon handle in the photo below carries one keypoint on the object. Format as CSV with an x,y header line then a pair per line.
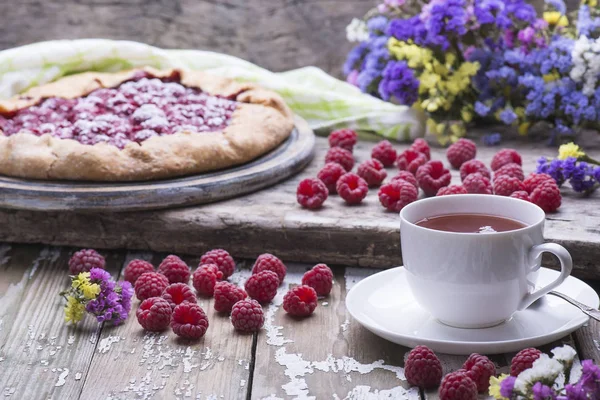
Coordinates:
x,y
592,312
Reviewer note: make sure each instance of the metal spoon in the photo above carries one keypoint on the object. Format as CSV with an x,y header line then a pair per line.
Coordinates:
x,y
592,312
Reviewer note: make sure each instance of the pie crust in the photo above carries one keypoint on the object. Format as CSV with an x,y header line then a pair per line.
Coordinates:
x,y
260,122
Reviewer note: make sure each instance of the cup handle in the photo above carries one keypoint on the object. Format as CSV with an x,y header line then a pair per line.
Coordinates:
x,y
566,265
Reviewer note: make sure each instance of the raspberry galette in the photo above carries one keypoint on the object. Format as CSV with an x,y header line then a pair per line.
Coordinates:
x,y
138,125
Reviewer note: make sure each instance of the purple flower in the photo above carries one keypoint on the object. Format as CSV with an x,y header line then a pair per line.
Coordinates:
x,y
492,139
98,275
542,392
399,81
597,173
408,29
554,168
444,18
582,178
481,109
507,385
508,116
377,25
355,58
586,24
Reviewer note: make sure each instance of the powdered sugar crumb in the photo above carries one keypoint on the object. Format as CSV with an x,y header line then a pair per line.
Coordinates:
x,y
274,334
78,376
398,392
47,253
106,343
71,340
345,325
62,378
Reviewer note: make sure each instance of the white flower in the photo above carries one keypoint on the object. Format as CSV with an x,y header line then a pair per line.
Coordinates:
x,y
565,353
544,369
357,31
586,63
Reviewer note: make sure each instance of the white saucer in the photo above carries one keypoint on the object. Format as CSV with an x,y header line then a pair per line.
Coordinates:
x,y
384,304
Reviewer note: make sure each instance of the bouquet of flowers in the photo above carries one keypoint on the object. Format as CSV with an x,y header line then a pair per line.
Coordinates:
x,y
466,60
574,166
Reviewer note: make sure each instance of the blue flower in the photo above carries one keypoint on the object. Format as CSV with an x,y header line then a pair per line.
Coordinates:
x,y
355,57
554,168
377,25
408,29
444,18
581,176
508,116
558,5
492,139
486,11
399,81
481,109
586,24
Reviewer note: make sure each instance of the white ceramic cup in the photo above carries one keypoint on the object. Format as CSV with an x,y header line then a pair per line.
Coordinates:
x,y
476,280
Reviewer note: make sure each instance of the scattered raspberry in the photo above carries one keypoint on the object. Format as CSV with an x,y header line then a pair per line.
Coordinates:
x,y
189,321
340,156
505,185
300,301
473,166
330,174
372,172
452,189
406,176
268,262
247,316
150,284
458,386
432,177
319,278
344,138
524,360
422,368
262,286
154,314
410,160
84,260
384,152
510,169
204,279
135,269
226,295
520,194
460,152
505,156
480,368
221,259
533,181
311,193
174,269
477,184
547,196
397,194
352,188
178,293
422,147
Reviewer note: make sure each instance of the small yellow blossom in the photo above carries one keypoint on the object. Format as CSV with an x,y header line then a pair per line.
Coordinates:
x,y
466,114
81,279
569,150
551,77
524,128
591,3
555,18
90,291
73,310
495,386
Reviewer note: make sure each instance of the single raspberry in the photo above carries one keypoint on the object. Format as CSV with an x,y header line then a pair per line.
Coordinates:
x,y
480,369
178,293
352,188
524,360
460,152
189,321
473,166
84,260
319,278
344,138
150,284
547,196
175,269
533,180
406,176
154,314
505,185
505,156
510,169
477,184
372,172
262,286
221,259
135,269
410,160
421,146
432,177
204,279
397,194
268,262
330,174
452,189
458,386
311,193
247,316
226,295
385,153
300,301
520,194
423,368
340,156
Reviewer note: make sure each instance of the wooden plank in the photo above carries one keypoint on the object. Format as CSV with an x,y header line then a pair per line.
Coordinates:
x,y
587,339
35,344
272,221
328,354
131,363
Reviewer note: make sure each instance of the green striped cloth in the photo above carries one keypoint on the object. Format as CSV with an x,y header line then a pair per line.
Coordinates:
x,y
325,102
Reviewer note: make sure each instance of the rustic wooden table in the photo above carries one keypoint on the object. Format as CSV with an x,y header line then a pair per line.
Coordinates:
x,y
325,356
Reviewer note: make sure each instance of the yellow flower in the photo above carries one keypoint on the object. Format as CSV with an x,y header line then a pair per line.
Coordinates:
x,y
73,310
90,291
569,150
81,279
495,387
591,3
466,115
556,18
524,128
551,77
